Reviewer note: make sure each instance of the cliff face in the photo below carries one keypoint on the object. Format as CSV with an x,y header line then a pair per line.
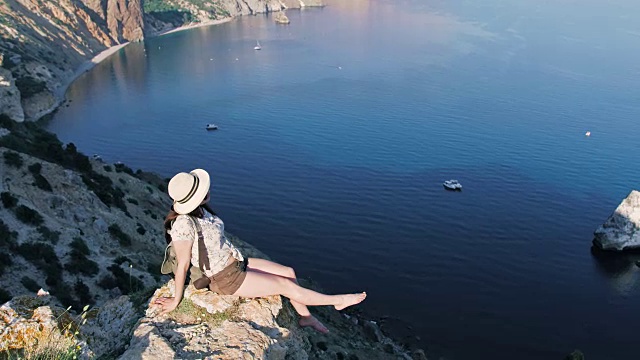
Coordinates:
x,y
44,42
125,20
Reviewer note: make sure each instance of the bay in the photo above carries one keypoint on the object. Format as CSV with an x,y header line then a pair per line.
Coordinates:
x,y
335,139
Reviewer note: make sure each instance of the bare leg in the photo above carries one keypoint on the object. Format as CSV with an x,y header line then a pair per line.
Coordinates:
x,y
270,267
257,284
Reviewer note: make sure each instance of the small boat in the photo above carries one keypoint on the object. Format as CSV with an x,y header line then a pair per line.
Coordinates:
x,y
452,185
588,133
257,47
212,127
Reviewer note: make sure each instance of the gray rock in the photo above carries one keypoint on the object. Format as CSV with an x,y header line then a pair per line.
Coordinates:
x,y
111,328
418,355
72,178
372,331
621,231
100,225
56,201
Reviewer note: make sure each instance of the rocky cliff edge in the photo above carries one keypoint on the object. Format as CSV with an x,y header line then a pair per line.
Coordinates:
x,y
89,233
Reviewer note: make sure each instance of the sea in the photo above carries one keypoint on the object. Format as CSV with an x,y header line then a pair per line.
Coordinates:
x,y
334,141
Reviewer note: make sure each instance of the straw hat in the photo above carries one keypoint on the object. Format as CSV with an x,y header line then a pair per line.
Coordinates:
x,y
188,190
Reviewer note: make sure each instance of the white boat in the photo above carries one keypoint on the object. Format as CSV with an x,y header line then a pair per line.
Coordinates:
x,y
212,127
452,185
257,47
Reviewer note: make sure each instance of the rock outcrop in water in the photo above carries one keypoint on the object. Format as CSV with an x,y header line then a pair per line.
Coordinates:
x,y
622,229
281,18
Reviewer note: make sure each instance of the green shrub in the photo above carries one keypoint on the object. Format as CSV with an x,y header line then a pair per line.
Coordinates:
x,y
8,200
29,86
83,293
125,282
123,238
132,201
80,161
79,264
28,215
150,213
29,139
102,186
42,183
168,13
141,230
38,253
4,296
120,167
79,245
122,181
107,282
121,260
149,189
7,123
8,63
30,284
107,168
47,235
5,262
153,268
44,257
7,237
13,159
35,168
63,292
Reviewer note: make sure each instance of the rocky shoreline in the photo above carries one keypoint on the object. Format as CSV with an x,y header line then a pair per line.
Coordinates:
x,y
45,46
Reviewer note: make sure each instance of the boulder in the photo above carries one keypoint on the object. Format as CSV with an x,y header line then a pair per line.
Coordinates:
x,y
109,327
281,18
28,322
621,231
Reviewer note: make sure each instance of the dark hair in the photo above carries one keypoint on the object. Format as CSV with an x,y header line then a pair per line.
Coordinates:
x,y
172,215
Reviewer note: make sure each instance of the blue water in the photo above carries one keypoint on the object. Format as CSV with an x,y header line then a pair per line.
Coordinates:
x,y
335,138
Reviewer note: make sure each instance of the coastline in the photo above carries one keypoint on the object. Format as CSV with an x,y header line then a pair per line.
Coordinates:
x,y
86,66
60,92
194,26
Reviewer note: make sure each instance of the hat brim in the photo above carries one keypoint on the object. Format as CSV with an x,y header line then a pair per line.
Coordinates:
x,y
198,196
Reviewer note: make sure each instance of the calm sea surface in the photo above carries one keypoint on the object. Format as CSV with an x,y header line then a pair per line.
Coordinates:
x,y
335,139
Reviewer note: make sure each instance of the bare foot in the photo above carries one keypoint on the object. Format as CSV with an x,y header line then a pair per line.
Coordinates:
x,y
350,299
314,323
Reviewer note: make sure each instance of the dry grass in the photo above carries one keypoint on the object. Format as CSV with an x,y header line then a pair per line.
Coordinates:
x,y
59,343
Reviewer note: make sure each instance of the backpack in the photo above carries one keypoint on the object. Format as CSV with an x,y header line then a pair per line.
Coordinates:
x,y
170,262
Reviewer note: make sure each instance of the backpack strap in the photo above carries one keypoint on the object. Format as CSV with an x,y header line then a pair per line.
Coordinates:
x,y
203,258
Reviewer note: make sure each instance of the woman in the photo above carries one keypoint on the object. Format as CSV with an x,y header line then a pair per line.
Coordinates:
x,y
230,273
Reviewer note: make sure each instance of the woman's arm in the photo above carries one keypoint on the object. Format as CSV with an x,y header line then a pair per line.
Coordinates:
x,y
183,254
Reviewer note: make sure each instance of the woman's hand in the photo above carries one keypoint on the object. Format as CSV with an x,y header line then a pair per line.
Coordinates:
x,y
167,304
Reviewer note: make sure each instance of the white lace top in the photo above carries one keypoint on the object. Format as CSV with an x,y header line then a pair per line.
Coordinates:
x,y
219,248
